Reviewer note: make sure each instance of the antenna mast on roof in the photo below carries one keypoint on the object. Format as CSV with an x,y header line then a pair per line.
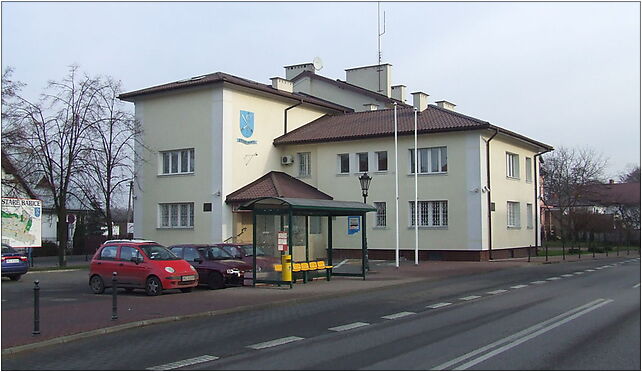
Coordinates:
x,y
379,38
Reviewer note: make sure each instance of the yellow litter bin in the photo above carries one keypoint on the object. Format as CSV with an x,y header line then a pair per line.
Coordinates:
x,y
286,274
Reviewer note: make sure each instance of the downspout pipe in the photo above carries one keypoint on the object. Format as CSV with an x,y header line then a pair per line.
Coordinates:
x,y
285,116
536,203
490,225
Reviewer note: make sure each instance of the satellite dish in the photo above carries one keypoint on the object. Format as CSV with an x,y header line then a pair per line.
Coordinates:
x,y
318,63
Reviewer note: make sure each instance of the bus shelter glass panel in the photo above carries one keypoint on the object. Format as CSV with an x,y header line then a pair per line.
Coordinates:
x,y
268,256
347,253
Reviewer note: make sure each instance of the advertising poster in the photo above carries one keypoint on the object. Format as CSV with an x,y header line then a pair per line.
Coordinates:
x,y
21,222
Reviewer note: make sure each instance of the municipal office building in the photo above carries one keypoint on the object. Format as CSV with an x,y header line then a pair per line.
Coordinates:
x,y
212,143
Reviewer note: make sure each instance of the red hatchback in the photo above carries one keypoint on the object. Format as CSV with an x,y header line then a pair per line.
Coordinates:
x,y
140,264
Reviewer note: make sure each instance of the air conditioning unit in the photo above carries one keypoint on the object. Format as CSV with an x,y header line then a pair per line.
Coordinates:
x,y
287,160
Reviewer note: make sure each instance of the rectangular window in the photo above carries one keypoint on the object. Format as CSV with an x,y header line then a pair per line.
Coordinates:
x,y
512,165
362,160
529,170
344,163
512,209
382,160
529,215
431,213
176,215
381,214
178,161
431,160
304,164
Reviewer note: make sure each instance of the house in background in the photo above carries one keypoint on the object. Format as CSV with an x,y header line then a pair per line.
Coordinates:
x,y
216,140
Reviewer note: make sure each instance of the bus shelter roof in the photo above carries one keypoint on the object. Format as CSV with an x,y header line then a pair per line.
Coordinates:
x,y
308,207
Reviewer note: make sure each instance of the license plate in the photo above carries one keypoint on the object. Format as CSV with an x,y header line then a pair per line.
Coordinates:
x,y
13,260
187,278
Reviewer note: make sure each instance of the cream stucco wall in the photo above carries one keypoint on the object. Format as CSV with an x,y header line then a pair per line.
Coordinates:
x,y
348,98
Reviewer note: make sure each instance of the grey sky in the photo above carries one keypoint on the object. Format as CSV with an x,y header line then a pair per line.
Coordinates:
x,y
567,74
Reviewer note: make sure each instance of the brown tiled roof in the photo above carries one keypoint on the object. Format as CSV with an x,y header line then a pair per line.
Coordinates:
x,y
219,77
276,184
614,193
380,123
9,168
345,85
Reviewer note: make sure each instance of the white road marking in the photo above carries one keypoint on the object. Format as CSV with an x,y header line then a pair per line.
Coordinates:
x,y
554,278
468,298
519,286
277,342
438,305
538,282
63,299
635,286
589,270
522,336
348,326
497,291
341,263
183,363
398,315
578,273
567,275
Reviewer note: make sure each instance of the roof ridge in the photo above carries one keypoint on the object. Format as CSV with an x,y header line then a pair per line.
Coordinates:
x,y
275,183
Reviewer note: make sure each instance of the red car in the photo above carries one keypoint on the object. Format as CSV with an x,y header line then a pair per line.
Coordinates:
x,y
140,264
245,252
216,267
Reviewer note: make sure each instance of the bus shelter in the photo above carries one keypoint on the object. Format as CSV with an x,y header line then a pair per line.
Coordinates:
x,y
281,226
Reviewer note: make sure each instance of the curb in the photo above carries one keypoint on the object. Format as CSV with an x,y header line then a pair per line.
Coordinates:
x,y
142,323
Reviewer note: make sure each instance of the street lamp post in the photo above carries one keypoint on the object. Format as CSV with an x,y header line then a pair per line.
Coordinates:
x,y
364,180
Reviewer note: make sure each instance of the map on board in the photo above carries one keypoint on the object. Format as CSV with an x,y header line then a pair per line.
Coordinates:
x,y
21,222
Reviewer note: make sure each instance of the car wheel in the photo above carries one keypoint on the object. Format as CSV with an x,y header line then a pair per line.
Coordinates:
x,y
187,290
215,281
15,277
153,286
97,285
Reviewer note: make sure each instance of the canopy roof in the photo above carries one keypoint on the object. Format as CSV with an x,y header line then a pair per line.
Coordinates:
x,y
308,207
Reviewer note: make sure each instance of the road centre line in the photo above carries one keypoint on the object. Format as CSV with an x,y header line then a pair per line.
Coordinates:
x,y
346,327
398,315
497,291
567,275
183,363
438,305
578,273
589,270
539,282
635,286
519,286
468,298
522,336
277,342
554,278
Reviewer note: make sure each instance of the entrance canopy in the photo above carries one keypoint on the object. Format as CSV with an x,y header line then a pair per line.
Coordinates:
x,y
291,215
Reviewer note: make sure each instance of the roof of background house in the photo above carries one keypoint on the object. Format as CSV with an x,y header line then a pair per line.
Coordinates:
x,y
380,123
276,184
613,193
344,85
219,77
9,168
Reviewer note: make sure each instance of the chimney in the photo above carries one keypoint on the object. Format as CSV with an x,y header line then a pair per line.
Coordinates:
x,y
398,92
282,84
420,100
446,105
611,182
293,70
375,78
370,107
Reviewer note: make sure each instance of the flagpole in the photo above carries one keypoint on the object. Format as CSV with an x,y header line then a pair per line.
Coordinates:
x,y
416,204
396,194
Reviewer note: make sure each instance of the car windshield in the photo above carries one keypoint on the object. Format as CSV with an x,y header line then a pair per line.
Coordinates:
x,y
7,249
216,253
249,252
159,253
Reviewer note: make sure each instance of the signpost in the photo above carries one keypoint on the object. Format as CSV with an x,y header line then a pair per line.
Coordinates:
x,y
21,222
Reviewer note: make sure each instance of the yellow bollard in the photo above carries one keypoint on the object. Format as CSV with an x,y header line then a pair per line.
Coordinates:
x,y
286,274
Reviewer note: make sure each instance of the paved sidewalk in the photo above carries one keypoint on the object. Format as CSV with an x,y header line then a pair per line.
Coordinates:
x,y
92,317
52,261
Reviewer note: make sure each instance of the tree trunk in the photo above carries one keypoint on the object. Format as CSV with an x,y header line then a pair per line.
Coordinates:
x,y
62,236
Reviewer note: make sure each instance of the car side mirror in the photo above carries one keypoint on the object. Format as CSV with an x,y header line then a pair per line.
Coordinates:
x,y
199,260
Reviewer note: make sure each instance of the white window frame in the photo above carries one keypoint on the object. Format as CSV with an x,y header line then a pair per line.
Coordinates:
x,y
358,158
304,159
529,216
377,161
339,171
432,213
528,168
380,218
512,215
176,215
512,165
177,157
441,151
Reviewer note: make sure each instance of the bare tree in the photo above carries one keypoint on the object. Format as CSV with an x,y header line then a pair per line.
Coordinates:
x,y
631,175
109,164
567,175
53,139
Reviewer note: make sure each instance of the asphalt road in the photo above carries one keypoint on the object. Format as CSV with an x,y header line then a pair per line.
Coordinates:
x,y
578,315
